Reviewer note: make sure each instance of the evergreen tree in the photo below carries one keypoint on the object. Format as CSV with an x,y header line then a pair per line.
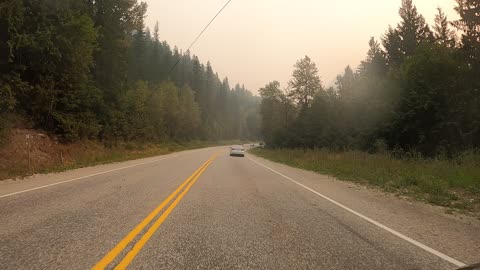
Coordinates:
x,y
392,43
375,64
412,29
345,84
443,34
90,69
189,114
469,23
305,82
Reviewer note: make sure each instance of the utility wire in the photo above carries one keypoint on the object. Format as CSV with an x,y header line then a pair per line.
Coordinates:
x,y
189,47
205,28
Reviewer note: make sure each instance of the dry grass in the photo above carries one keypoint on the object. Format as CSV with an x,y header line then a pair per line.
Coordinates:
x,y
44,154
454,183
99,154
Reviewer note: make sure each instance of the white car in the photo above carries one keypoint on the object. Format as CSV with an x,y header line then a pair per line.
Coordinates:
x,y
237,150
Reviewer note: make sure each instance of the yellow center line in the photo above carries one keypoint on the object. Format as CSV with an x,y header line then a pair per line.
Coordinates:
x,y
139,245
127,239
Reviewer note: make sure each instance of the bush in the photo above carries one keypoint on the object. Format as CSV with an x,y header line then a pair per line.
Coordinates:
x,y
7,104
380,146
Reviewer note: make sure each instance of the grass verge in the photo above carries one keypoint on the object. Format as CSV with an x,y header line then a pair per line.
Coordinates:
x,y
90,153
452,183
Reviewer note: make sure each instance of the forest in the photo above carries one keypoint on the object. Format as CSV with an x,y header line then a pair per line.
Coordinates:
x,y
417,91
91,69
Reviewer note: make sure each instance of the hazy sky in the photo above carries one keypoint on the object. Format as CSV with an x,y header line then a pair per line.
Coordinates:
x,y
257,41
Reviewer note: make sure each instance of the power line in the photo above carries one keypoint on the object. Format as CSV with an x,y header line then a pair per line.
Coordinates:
x,y
195,40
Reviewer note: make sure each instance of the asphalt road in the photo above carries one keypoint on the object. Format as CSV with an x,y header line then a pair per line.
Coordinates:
x,y
202,209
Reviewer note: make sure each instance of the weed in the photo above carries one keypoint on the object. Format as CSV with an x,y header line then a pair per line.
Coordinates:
x,y
92,153
430,180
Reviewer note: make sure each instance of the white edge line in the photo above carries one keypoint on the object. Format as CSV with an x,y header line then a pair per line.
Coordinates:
x,y
404,237
86,176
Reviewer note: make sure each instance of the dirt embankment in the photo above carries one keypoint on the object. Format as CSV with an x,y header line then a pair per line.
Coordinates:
x,y
28,151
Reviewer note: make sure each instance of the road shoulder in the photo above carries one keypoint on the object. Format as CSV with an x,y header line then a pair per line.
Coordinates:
x,y
455,235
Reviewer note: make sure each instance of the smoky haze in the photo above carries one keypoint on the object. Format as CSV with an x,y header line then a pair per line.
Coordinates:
x,y
254,42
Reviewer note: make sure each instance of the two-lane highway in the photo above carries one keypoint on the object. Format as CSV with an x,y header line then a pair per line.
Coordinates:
x,y
202,209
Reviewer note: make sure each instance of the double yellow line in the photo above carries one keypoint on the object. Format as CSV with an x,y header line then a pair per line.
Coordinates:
x,y
103,263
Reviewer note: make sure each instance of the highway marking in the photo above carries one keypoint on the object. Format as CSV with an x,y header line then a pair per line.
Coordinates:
x,y
402,236
138,246
86,176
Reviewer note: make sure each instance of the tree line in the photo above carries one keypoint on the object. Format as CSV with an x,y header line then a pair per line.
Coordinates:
x,y
418,89
90,69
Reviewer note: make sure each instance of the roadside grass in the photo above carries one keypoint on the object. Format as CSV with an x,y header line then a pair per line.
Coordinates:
x,y
90,153
131,151
452,183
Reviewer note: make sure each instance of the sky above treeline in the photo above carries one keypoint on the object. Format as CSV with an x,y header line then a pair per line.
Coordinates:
x,y
257,41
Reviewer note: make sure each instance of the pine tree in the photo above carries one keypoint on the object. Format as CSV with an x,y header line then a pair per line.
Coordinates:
x,y
412,29
154,69
391,41
346,84
189,114
270,109
305,82
208,97
443,34
117,20
375,64
171,108
469,23
90,69
137,60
